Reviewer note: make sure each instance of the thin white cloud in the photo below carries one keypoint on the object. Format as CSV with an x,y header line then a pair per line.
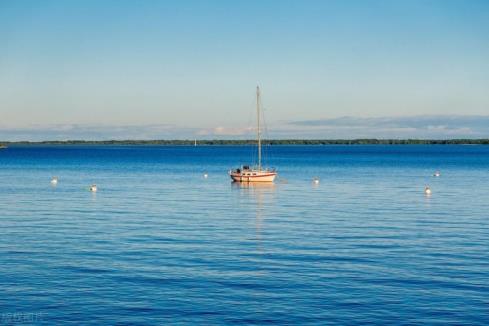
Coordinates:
x,y
225,131
93,132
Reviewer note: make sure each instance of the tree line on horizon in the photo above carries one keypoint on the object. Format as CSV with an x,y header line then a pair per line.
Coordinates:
x,y
366,141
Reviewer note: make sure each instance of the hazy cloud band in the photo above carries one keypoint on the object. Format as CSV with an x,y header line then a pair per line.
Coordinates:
x,y
432,127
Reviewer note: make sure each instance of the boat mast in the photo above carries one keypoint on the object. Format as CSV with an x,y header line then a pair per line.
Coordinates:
x,y
258,129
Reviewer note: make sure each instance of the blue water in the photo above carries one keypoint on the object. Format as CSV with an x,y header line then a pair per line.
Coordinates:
x,y
160,244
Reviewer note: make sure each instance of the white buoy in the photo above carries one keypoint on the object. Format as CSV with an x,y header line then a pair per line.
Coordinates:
x,y
93,188
437,174
427,190
54,181
205,175
315,180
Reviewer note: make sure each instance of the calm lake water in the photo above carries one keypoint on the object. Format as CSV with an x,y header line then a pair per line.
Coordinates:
x,y
160,244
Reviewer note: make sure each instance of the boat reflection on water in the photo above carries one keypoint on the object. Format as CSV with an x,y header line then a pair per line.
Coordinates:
x,y
260,196
261,193
254,185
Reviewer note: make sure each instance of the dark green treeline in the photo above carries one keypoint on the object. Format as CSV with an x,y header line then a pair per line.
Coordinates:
x,y
265,142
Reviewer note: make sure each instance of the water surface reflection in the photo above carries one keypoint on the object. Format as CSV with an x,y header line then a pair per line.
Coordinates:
x,y
257,196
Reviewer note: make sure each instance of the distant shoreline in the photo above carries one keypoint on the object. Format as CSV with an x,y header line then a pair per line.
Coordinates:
x,y
217,142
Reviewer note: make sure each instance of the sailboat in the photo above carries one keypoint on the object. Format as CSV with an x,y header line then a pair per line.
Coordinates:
x,y
246,173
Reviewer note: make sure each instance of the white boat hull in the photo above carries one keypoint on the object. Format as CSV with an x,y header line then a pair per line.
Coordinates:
x,y
263,176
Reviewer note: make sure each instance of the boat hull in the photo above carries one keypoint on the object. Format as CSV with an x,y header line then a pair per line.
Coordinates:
x,y
253,176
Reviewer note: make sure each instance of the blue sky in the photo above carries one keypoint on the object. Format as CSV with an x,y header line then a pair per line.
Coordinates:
x,y
188,69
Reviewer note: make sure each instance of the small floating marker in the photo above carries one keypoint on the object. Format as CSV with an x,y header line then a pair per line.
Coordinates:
x,y
205,175
427,190
315,180
437,174
54,181
93,188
